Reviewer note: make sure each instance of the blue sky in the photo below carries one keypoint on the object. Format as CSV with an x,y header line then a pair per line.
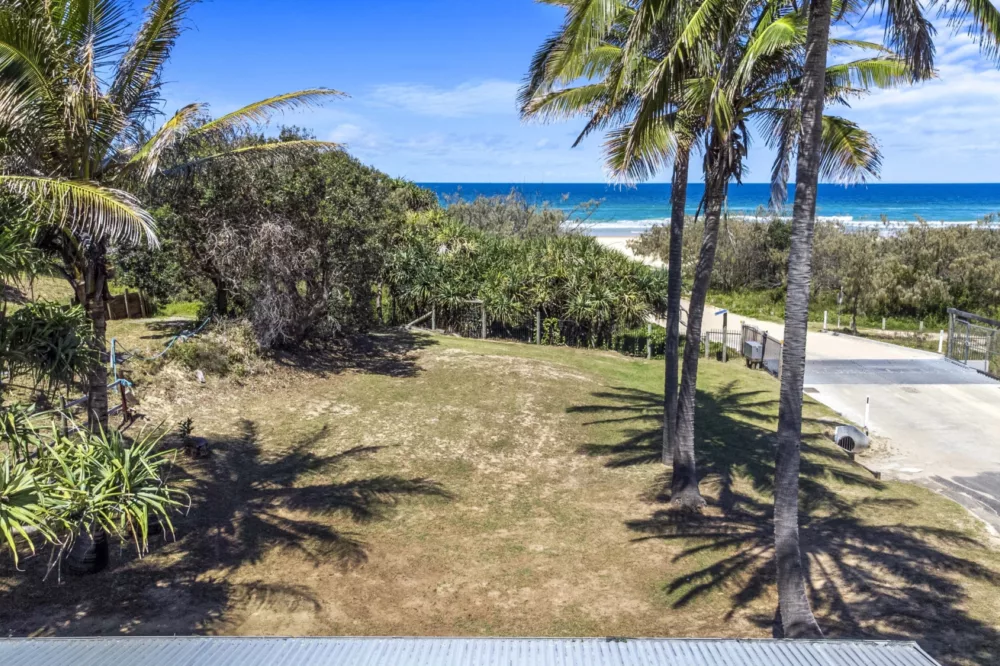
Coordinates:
x,y
432,86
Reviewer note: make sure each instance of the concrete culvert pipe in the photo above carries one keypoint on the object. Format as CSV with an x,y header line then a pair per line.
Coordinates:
x,y
851,439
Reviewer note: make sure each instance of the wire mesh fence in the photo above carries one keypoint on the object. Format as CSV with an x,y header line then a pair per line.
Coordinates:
x,y
974,341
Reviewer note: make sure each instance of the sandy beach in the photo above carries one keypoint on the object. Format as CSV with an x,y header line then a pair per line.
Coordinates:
x,y
620,243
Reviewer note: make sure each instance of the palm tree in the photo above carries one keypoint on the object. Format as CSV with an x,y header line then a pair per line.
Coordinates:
x,y
590,44
676,91
78,96
909,33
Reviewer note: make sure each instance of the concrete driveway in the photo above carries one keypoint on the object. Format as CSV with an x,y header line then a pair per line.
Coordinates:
x,y
941,421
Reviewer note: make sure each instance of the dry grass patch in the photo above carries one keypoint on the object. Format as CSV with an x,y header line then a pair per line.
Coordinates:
x,y
437,486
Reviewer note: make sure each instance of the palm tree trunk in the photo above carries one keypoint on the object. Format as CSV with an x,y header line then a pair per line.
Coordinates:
x,y
96,308
684,491
796,614
678,200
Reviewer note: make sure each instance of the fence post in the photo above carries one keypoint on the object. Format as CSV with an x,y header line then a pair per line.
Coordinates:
x,y
921,326
883,323
128,315
433,317
649,342
968,332
538,326
825,313
951,334
941,342
725,337
988,354
483,306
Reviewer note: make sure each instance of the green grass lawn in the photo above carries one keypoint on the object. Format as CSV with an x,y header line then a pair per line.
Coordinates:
x,y
429,485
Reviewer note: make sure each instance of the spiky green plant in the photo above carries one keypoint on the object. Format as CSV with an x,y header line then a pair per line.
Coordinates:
x,y
55,487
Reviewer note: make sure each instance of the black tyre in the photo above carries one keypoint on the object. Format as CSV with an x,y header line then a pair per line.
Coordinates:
x,y
89,553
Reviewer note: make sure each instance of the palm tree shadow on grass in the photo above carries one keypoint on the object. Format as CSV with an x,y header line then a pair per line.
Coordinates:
x,y
895,581
246,506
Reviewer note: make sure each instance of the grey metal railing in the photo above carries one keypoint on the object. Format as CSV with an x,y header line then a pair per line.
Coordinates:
x,y
974,340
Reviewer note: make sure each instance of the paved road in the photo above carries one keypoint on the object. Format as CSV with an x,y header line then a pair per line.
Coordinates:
x,y
942,420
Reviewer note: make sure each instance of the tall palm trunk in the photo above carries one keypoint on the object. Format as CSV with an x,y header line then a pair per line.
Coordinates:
x,y
678,200
684,491
796,615
96,273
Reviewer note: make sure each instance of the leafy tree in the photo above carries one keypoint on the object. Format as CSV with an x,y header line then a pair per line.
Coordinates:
x,y
298,246
77,140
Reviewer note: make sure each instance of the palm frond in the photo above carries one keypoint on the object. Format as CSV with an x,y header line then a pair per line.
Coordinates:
x,y
868,73
849,154
141,64
85,207
630,157
260,113
981,18
566,103
22,51
278,150
772,37
910,33
146,160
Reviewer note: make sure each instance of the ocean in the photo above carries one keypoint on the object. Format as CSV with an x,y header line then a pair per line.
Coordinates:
x,y
627,211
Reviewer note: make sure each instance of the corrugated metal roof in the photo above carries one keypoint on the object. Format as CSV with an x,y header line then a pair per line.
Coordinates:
x,y
231,651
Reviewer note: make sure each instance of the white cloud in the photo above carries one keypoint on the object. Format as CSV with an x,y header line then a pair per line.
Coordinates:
x,y
942,130
467,99
354,135
346,133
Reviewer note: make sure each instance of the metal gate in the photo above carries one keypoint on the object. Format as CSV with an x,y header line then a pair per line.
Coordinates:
x,y
974,341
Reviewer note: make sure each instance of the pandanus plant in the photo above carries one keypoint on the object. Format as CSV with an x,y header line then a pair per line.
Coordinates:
x,y
80,94
75,490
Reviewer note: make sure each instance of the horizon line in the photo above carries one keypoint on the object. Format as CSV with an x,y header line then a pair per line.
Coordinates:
x,y
607,184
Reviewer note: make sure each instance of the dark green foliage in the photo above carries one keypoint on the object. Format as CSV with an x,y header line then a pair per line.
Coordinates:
x,y
590,290
46,344
296,245
915,272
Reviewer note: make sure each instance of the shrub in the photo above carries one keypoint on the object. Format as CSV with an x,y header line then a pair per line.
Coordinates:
x,y
228,348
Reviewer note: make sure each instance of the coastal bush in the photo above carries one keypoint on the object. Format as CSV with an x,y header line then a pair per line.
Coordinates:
x,y
905,273
591,291
513,215
295,246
